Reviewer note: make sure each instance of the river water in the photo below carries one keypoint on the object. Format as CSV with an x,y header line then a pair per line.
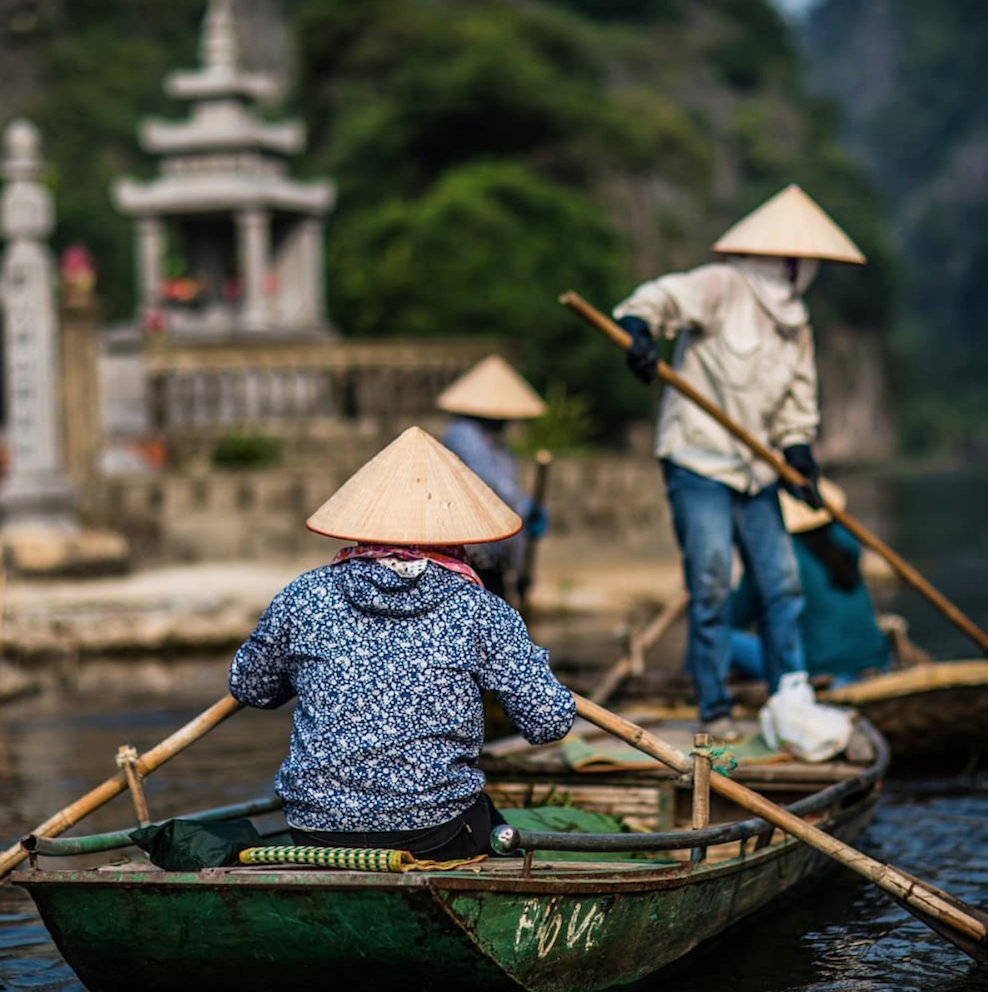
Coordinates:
x,y
844,934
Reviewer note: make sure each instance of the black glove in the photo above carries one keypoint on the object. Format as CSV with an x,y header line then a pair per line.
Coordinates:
x,y
643,354
800,457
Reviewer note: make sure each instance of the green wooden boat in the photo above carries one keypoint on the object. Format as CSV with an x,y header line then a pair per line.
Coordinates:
x,y
535,921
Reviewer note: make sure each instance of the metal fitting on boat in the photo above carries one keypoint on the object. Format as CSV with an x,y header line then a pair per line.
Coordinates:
x,y
505,839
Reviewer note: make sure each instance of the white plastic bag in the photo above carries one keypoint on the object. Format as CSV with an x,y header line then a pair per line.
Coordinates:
x,y
792,720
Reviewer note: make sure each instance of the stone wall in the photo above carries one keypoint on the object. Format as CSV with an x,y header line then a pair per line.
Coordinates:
x,y
227,515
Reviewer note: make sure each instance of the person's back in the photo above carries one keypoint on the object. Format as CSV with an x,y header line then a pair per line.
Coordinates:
x,y
388,649
840,634
483,401
389,670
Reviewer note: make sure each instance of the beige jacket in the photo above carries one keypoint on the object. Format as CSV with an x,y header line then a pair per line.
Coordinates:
x,y
745,342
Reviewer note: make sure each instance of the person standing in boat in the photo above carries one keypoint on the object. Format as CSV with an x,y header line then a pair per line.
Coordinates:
x,y
840,634
388,649
484,401
743,338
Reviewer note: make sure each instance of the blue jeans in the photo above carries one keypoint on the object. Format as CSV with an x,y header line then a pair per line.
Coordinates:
x,y
709,519
747,661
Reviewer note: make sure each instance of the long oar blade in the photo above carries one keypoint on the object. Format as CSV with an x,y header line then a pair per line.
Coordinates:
x,y
964,926
973,948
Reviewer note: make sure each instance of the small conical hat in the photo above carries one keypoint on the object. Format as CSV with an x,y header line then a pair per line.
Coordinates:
x,y
415,491
799,517
789,225
492,389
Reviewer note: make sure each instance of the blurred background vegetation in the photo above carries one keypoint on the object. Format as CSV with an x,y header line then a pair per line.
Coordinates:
x,y
910,78
492,154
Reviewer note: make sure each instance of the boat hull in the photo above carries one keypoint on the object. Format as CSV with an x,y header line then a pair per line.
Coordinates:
x,y
562,928
927,712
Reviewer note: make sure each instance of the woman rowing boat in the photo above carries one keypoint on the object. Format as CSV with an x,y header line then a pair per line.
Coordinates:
x,y
388,649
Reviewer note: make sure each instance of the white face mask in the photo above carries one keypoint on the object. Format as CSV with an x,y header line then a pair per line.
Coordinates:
x,y
806,270
778,284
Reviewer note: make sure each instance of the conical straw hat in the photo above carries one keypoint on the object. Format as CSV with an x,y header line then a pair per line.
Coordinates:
x,y
800,517
415,491
790,225
492,389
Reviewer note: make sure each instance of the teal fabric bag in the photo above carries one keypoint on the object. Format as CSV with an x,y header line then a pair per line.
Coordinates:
x,y
190,845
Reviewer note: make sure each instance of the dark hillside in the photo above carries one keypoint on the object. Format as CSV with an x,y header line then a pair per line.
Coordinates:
x,y
912,79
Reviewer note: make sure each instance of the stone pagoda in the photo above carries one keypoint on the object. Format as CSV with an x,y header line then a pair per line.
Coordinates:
x,y
229,246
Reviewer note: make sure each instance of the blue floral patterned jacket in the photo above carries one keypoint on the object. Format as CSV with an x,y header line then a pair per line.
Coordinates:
x,y
388,671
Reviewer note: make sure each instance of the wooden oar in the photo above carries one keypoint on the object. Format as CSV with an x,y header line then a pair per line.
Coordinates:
x,y
543,459
102,794
964,925
633,663
621,337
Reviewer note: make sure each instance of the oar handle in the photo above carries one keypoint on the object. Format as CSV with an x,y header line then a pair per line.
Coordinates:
x,y
886,877
543,459
909,574
155,758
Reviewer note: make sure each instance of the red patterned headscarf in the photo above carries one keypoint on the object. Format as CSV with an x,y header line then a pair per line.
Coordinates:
x,y
451,557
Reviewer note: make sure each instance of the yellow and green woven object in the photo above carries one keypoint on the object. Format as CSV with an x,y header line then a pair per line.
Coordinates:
x,y
350,858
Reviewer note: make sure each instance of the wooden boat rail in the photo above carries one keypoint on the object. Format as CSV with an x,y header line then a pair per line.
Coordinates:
x,y
511,839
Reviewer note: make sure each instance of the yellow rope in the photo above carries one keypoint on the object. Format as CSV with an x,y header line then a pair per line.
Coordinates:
x,y
350,858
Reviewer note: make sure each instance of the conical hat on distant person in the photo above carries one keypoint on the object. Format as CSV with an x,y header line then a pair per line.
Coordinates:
x,y
415,491
789,225
494,390
800,517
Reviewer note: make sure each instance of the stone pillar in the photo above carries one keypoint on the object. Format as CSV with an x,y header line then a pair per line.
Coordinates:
x,y
315,295
254,245
35,491
150,261
83,429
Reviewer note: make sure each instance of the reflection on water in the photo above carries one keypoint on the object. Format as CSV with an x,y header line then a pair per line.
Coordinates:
x,y
846,935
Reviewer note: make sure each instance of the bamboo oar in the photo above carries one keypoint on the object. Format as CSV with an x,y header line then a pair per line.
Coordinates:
x,y
621,338
633,662
155,758
965,926
543,459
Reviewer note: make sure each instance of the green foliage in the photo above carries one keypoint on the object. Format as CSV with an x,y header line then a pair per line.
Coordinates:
x,y
642,11
246,451
464,260
566,427
751,47
659,136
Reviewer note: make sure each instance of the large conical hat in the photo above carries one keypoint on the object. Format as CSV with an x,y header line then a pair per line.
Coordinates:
x,y
800,517
789,225
415,491
492,389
